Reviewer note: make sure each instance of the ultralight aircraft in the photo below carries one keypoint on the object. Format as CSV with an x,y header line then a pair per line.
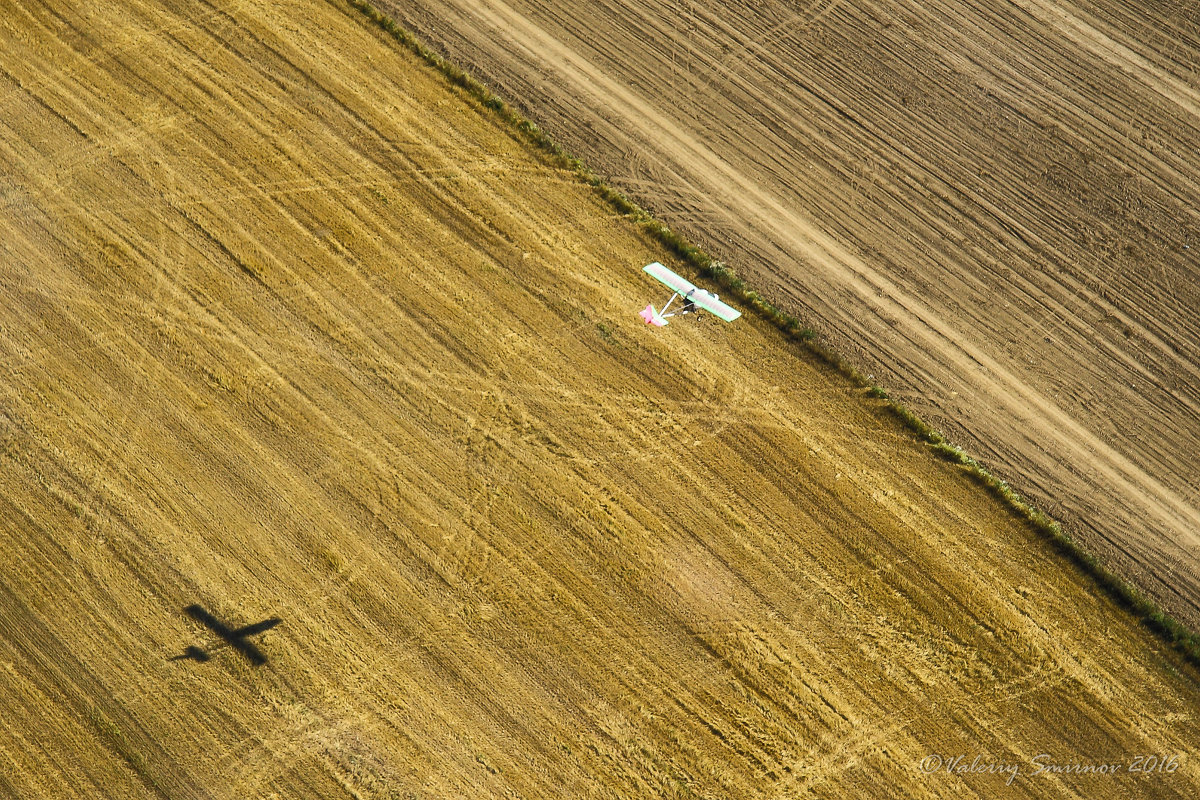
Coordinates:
x,y
694,298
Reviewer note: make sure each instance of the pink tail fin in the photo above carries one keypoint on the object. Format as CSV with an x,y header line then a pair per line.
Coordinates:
x,y
651,316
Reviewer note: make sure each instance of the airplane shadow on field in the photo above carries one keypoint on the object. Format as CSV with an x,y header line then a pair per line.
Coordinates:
x,y
235,638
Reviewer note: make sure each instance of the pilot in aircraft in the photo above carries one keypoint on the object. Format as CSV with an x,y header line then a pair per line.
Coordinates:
x,y
689,307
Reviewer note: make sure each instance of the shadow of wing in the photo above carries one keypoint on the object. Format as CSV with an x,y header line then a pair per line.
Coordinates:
x,y
257,627
204,618
249,651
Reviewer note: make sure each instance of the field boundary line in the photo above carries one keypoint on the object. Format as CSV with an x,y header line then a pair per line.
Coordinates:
x,y
1125,594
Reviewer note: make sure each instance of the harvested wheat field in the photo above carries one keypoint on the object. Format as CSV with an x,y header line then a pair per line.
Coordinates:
x,y
291,329
992,206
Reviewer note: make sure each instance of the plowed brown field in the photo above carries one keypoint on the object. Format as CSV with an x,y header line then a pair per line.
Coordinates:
x,y
289,328
991,205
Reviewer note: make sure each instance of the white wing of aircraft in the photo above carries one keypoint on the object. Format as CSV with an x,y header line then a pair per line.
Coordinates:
x,y
693,297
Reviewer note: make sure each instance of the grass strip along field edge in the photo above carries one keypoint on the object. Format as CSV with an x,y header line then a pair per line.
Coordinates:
x,y
1124,593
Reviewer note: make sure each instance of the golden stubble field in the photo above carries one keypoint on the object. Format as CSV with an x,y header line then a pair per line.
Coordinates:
x,y
288,328
991,206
